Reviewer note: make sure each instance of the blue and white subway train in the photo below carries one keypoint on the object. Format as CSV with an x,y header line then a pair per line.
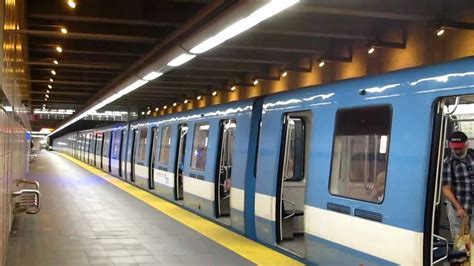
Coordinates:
x,y
340,174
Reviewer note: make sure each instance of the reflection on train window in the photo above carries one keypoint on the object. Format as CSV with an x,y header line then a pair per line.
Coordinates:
x,y
200,142
165,145
360,153
116,146
142,145
98,144
105,152
294,150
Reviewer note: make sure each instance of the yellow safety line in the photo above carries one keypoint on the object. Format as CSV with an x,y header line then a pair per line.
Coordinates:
x,y
251,250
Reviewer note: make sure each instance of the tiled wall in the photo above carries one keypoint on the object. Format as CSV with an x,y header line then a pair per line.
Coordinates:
x,y
13,123
12,167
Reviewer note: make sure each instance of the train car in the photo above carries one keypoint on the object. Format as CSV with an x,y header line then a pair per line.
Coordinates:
x,y
346,172
188,158
336,174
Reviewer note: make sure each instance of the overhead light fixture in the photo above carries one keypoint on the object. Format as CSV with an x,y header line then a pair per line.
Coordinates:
x,y
51,80
47,91
233,88
152,75
47,96
46,99
55,62
135,85
63,30
284,74
440,31
53,72
266,11
181,59
71,3
174,104
371,50
143,113
186,101
165,107
49,86
148,112
214,93
259,15
59,49
157,109
255,82
321,63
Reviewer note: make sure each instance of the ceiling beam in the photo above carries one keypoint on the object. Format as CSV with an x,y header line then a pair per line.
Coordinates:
x,y
82,52
271,49
361,13
314,34
56,92
137,22
76,65
201,77
239,70
241,60
88,36
181,82
67,82
102,72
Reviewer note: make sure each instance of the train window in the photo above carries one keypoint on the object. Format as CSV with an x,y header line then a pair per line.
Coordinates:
x,y
165,145
200,142
116,146
294,150
142,144
106,144
98,147
360,153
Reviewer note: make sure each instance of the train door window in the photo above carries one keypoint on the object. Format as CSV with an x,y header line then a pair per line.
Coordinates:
x,y
106,147
182,133
360,153
151,163
165,145
291,184
109,150
90,148
116,145
223,180
142,145
200,143
448,167
98,149
122,152
133,154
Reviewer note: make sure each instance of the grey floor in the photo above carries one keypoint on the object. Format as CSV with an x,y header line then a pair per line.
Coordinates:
x,y
86,221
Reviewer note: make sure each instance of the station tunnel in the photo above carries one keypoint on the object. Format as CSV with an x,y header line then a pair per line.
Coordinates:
x,y
236,132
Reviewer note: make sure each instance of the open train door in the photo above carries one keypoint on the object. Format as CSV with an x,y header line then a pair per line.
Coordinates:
x,y
223,181
452,114
178,175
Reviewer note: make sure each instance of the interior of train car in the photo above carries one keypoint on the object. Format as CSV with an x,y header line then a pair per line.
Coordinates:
x,y
454,114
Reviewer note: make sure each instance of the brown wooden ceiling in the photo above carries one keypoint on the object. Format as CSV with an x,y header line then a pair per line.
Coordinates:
x,y
106,37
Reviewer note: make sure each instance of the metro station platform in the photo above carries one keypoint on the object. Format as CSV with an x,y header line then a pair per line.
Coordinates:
x,y
90,218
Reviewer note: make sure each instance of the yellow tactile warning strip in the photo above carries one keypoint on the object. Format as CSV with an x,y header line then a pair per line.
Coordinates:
x,y
246,248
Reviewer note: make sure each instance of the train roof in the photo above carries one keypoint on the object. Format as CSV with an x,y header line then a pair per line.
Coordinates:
x,y
457,74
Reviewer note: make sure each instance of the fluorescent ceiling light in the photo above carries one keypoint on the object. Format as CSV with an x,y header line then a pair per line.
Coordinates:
x,y
261,14
112,98
152,75
135,85
183,58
